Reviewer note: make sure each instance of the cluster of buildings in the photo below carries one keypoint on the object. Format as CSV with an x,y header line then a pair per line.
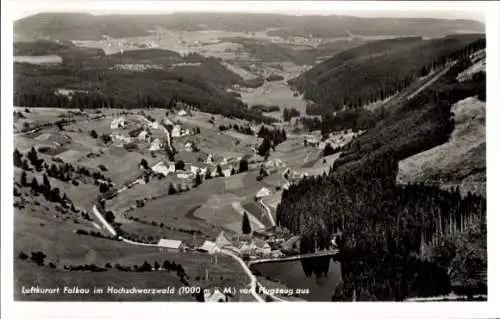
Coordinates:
x,y
190,170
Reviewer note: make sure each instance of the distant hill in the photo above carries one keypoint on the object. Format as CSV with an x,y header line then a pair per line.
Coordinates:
x,y
65,49
377,70
82,26
461,160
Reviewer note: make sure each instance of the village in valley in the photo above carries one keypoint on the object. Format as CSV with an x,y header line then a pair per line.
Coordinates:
x,y
145,160
248,157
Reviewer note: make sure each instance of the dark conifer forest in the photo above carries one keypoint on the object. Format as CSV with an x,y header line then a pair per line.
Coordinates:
x,y
346,80
387,229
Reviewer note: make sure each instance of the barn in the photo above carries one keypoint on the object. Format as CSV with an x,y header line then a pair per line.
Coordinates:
x,y
170,245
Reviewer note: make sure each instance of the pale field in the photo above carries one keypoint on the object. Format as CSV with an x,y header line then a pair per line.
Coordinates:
x,y
274,93
39,59
244,74
122,165
218,210
154,189
38,230
457,159
179,41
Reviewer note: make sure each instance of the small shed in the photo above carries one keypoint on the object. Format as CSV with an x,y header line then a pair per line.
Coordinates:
x,y
263,192
209,247
222,241
170,245
292,244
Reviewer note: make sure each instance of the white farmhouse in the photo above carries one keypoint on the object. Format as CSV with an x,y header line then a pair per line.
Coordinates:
x,y
122,138
182,113
194,169
161,168
170,245
209,247
176,131
167,121
210,159
188,146
156,145
143,135
154,125
227,172
118,123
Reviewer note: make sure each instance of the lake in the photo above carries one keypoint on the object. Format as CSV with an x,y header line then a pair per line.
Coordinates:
x,y
38,59
291,274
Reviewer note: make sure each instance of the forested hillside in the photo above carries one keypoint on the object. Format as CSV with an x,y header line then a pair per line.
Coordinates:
x,y
81,26
378,70
35,86
66,50
385,226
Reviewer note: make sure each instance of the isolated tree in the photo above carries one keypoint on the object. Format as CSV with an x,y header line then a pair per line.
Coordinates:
x,y
25,165
179,165
144,163
157,265
33,156
24,177
208,175
286,115
18,158
109,216
106,138
243,166
219,171
103,187
245,224
265,147
94,134
55,195
167,265
22,256
171,189
46,185
35,188
262,172
328,150
145,266
197,180
38,257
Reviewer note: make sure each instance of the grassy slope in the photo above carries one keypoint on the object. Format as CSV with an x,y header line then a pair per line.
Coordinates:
x,y
462,157
36,228
350,75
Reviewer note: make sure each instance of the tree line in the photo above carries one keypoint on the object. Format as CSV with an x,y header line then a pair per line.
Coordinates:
x,y
395,69
385,227
36,87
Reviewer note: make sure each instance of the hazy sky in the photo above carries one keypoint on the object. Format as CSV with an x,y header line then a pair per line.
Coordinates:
x,y
435,9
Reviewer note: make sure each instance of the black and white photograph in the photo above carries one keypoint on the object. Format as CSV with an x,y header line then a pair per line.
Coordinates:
x,y
211,152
